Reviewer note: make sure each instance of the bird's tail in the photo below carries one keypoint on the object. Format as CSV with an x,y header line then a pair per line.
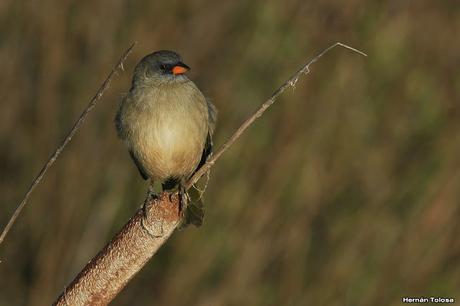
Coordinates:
x,y
194,210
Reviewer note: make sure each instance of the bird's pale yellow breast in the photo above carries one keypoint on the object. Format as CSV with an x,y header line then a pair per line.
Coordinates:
x,y
166,128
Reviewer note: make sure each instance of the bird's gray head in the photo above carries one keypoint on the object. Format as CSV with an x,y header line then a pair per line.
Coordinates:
x,y
160,67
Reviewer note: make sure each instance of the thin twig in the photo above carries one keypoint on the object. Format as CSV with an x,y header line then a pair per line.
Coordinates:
x,y
105,85
289,83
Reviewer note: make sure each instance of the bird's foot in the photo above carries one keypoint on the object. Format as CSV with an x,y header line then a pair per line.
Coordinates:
x,y
151,194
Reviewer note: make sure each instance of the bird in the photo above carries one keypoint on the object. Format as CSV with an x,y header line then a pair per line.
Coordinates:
x,y
167,125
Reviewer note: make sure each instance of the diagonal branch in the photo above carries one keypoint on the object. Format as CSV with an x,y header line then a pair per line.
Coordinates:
x,y
105,85
151,226
289,83
109,271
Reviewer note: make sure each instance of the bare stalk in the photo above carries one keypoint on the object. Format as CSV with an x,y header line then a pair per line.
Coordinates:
x,y
105,85
107,274
289,83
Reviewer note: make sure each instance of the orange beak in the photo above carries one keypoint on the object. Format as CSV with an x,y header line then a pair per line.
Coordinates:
x,y
180,69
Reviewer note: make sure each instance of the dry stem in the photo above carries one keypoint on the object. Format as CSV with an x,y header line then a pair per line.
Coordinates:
x,y
105,85
289,83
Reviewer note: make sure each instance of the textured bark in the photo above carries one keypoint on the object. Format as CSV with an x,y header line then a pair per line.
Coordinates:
x,y
107,273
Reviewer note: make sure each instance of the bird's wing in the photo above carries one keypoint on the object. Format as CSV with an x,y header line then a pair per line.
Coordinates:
x,y
194,214
208,146
207,151
212,113
118,121
139,166
122,134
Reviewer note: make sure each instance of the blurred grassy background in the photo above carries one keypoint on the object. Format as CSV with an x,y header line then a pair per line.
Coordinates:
x,y
345,193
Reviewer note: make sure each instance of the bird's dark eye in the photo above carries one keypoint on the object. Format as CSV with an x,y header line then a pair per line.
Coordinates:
x,y
166,68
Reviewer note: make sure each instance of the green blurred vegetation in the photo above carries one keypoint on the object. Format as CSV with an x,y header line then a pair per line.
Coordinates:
x,y
345,193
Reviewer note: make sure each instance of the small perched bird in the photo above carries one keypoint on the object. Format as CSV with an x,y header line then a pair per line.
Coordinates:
x,y
167,125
